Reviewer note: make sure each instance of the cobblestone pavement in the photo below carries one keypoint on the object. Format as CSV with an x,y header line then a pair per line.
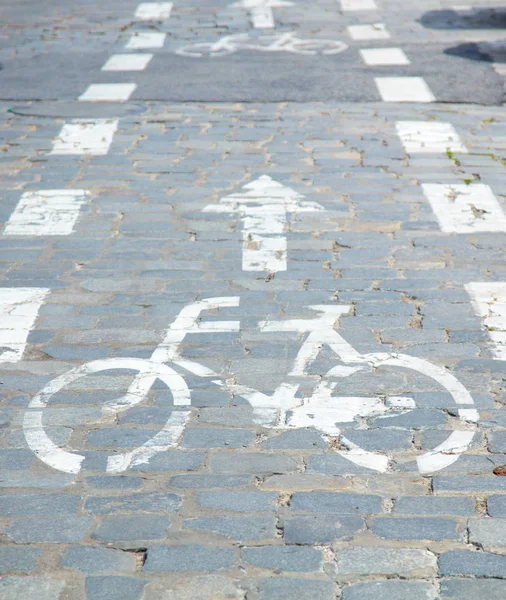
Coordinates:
x,y
252,350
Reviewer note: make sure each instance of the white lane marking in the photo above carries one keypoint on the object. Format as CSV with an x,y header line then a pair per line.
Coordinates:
x,y
85,136
465,208
108,92
261,11
153,10
19,308
384,56
489,303
426,137
145,41
355,5
127,62
263,208
404,89
376,31
46,212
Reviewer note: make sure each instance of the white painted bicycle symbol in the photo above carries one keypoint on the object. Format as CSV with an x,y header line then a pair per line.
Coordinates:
x,y
282,42
321,410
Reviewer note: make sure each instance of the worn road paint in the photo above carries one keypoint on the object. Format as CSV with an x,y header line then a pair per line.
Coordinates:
x,y
263,208
356,5
108,92
19,308
46,212
464,208
148,371
261,11
376,31
85,136
150,11
429,137
127,62
404,89
489,302
145,41
384,56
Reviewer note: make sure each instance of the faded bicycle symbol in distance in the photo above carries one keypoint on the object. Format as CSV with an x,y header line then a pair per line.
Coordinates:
x,y
277,42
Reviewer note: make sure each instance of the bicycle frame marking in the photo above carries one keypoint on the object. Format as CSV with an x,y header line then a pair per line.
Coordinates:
x,y
320,410
278,42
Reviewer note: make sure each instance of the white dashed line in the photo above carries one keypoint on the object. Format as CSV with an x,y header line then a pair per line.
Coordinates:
x,y
127,62
489,302
85,136
465,208
19,308
353,5
108,92
425,137
153,10
145,41
377,31
404,89
46,212
384,56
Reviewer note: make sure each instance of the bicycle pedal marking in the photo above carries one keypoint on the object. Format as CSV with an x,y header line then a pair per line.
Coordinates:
x,y
276,42
325,409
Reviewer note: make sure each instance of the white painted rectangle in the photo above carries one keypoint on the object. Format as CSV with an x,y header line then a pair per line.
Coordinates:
x,y
108,92
384,56
465,208
153,10
127,62
19,308
427,137
84,136
489,303
376,31
145,41
46,212
262,16
404,89
353,5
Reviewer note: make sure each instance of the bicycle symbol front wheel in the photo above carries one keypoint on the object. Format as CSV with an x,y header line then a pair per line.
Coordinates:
x,y
147,373
312,47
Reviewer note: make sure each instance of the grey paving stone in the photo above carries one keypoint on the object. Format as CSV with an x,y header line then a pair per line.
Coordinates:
x,y
496,506
114,482
282,588
488,532
27,479
172,460
456,563
16,459
115,588
94,559
156,502
497,441
190,557
381,440
336,503
284,558
114,529
18,558
334,464
202,437
253,462
403,562
244,501
42,588
236,528
39,504
49,529
416,528
319,529
295,439
469,484
434,505
391,589
198,482
197,588
470,589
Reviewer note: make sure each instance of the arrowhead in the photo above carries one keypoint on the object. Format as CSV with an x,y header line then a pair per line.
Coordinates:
x,y
265,191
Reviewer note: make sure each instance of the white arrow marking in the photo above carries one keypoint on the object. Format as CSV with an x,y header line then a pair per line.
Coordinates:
x,y
263,208
261,11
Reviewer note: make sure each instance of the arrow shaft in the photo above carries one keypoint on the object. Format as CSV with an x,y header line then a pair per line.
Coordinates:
x,y
261,16
264,249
